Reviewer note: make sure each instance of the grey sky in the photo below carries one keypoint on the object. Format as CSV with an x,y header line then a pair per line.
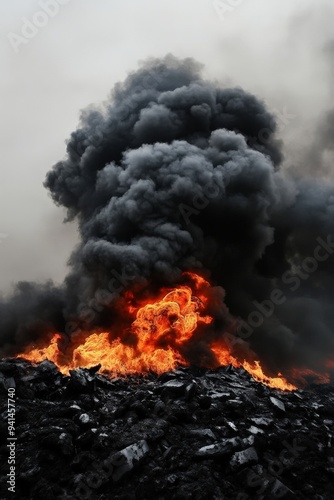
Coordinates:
x,y
270,47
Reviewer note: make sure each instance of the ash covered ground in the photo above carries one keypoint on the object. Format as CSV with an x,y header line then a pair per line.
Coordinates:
x,y
187,434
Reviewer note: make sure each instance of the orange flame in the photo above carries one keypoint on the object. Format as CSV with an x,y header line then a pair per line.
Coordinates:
x,y
254,368
160,330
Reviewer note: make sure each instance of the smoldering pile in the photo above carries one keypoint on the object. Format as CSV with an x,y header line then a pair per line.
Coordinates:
x,y
188,434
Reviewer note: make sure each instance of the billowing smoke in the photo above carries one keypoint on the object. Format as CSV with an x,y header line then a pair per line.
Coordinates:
x,y
174,174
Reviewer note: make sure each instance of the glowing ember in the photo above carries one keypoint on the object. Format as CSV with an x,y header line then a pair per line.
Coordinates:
x,y
301,376
160,330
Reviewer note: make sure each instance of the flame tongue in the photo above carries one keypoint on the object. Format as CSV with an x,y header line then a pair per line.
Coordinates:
x,y
171,320
254,368
161,329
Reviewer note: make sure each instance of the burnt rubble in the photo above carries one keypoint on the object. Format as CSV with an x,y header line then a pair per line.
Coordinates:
x,y
187,434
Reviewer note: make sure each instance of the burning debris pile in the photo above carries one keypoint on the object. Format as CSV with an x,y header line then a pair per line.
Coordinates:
x,y
175,329
196,253
175,176
186,434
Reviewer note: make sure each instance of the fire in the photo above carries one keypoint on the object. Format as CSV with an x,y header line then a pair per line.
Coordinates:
x,y
50,352
161,328
254,368
305,376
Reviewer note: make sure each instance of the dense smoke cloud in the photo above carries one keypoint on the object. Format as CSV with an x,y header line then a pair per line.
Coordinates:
x,y
174,174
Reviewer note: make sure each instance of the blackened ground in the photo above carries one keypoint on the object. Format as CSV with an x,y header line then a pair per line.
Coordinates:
x,y
184,435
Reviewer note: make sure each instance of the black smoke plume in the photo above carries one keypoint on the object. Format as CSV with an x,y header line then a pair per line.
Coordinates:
x,y
174,174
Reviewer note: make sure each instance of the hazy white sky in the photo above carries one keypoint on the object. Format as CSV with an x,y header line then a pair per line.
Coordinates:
x,y
274,48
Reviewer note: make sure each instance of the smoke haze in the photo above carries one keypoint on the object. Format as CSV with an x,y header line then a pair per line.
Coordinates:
x,y
182,169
